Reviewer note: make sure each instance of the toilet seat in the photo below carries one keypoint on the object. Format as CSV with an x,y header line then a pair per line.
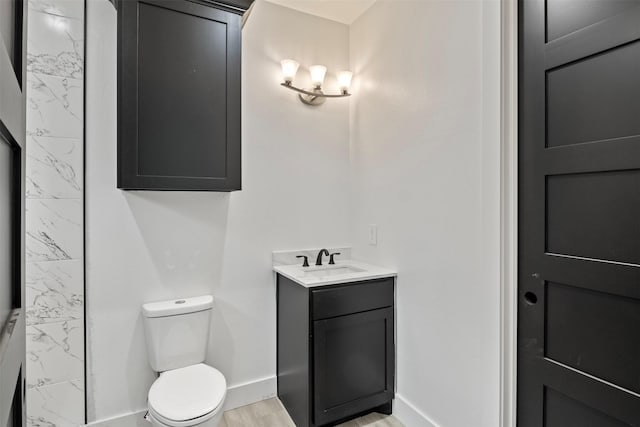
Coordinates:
x,y
188,423
187,396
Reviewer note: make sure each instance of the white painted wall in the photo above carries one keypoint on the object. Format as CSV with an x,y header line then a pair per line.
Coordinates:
x,y
146,246
425,168
345,11
422,164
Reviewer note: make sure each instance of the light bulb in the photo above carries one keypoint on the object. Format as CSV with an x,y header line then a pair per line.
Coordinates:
x,y
344,81
289,70
317,75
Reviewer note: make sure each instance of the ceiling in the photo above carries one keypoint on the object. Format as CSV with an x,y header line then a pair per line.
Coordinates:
x,y
345,11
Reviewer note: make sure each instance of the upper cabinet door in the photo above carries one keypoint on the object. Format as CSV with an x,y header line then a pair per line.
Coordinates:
x,y
178,96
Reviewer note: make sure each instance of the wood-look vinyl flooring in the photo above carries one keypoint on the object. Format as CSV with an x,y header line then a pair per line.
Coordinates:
x,y
271,413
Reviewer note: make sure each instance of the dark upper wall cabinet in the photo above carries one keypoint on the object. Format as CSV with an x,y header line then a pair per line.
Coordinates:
x,y
239,6
179,95
236,5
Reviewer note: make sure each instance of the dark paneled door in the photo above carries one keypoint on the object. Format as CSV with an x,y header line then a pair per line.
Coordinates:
x,y
579,214
12,140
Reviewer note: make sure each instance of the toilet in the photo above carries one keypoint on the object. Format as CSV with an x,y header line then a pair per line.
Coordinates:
x,y
188,392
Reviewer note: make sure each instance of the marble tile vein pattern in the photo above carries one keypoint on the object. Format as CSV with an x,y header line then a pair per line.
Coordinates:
x,y
64,64
54,168
55,43
67,8
54,229
54,213
54,291
55,352
54,106
57,405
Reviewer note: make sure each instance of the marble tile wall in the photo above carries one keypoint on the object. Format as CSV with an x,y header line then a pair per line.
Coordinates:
x,y
54,214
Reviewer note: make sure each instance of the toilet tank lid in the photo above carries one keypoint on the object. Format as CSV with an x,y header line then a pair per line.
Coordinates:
x,y
177,306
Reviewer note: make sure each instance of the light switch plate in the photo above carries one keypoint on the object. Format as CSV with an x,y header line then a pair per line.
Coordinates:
x,y
373,234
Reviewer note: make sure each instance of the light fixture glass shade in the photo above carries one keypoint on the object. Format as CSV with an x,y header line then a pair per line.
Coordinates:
x,y
344,80
289,69
317,74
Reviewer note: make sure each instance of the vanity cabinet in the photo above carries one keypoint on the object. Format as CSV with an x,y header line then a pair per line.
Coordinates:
x,y
336,351
179,94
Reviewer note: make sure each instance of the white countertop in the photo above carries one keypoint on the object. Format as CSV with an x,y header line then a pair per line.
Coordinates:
x,y
342,271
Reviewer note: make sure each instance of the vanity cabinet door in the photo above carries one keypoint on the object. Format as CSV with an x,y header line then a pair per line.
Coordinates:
x,y
178,96
353,364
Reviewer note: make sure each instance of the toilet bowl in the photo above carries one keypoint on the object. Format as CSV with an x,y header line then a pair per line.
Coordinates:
x,y
189,396
188,392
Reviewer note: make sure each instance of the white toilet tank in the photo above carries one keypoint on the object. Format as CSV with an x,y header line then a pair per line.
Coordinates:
x,y
177,332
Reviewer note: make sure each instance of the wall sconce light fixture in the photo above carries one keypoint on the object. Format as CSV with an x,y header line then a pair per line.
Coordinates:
x,y
314,96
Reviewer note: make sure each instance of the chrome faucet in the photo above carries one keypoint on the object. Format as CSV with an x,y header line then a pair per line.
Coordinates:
x,y
319,259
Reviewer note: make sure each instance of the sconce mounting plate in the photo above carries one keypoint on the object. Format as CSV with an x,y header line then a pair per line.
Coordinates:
x,y
314,100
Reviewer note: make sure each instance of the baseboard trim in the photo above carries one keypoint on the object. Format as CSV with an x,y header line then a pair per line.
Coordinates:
x,y
133,419
250,392
265,388
409,415
237,396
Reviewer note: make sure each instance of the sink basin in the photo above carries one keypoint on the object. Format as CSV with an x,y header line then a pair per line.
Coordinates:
x,y
343,271
330,271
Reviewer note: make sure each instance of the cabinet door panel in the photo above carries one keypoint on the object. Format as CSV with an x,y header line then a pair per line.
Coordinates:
x,y
181,99
353,364
179,96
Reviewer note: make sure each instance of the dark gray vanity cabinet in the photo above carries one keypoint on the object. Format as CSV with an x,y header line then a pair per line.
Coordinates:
x,y
336,351
179,95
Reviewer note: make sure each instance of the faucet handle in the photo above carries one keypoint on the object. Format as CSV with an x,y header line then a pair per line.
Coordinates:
x,y
306,260
331,261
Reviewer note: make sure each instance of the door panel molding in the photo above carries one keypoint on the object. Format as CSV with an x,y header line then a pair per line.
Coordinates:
x,y
579,268
595,156
594,39
620,403
586,273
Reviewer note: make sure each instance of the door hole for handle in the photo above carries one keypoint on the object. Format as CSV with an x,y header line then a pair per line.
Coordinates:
x,y
530,298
